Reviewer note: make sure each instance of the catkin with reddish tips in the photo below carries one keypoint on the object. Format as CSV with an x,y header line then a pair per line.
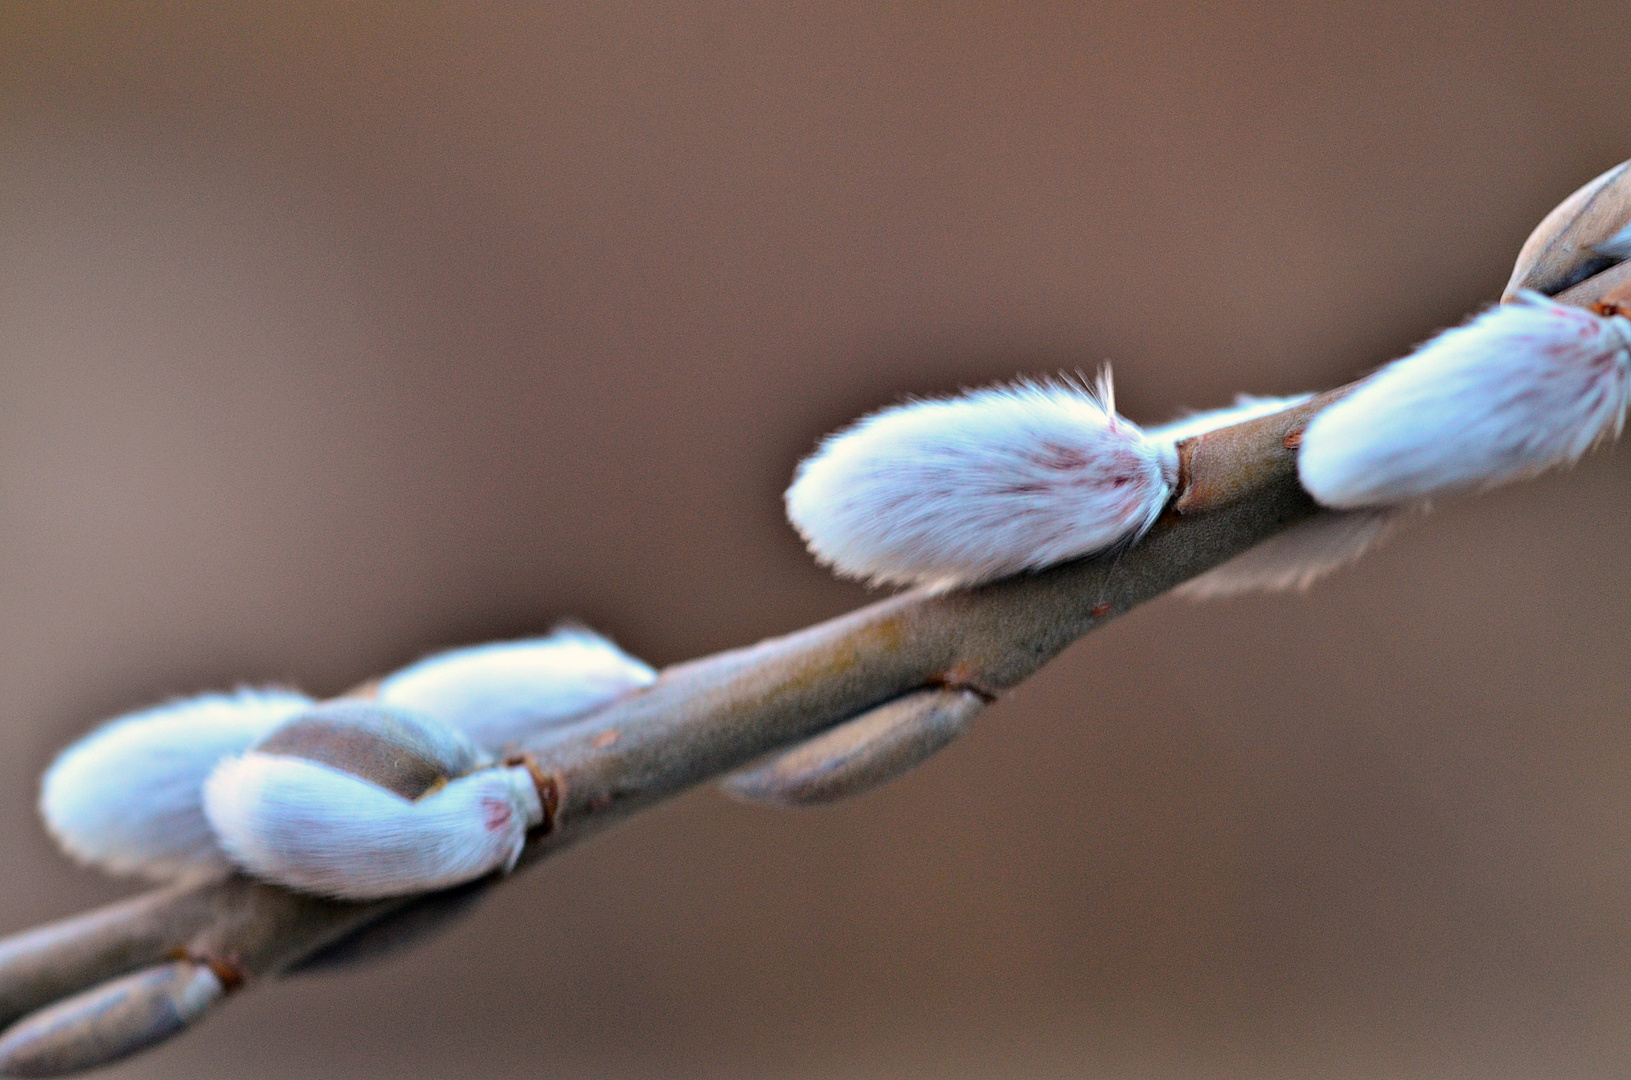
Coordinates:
x,y
320,830
1522,388
359,800
956,492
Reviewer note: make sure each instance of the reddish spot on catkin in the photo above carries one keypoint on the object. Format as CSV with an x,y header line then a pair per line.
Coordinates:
x,y
495,814
1524,387
1001,480
1063,458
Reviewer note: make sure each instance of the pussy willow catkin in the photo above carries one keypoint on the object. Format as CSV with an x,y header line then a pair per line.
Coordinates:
x,y
963,490
357,800
1522,388
129,797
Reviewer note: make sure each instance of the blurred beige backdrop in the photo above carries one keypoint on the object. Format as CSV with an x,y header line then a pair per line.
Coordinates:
x,y
331,334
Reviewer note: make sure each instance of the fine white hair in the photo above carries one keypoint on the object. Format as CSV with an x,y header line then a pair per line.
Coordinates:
x,y
500,693
1246,407
1522,388
954,492
320,830
125,798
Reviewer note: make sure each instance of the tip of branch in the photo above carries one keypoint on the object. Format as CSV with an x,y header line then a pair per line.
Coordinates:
x,y
1583,236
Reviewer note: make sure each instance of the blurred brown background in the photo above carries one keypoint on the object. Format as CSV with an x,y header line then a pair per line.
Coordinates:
x,y
331,334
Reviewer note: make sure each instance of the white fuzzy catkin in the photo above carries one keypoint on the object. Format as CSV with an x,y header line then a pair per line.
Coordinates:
x,y
500,693
955,492
126,797
319,830
1522,388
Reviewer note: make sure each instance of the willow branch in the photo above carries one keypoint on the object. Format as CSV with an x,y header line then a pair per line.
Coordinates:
x,y
707,717
702,719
